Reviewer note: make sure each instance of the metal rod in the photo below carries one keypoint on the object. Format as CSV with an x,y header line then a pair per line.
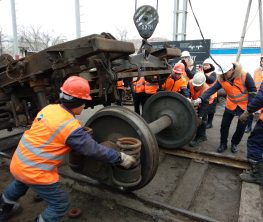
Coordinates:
x,y
160,124
13,11
77,16
243,32
260,25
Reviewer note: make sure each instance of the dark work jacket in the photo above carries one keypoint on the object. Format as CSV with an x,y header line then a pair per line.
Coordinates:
x,y
80,141
257,102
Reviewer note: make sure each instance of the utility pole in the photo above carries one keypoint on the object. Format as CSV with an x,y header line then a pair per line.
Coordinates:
x,y
245,27
179,14
15,42
260,25
77,16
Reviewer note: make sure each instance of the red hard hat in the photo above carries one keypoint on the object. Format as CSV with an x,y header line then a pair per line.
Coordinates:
x,y
77,87
179,68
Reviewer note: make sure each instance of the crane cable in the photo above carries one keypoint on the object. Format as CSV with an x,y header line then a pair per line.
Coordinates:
x,y
157,4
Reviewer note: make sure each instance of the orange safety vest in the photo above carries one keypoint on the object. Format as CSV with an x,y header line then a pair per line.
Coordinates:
x,y
138,86
173,85
237,94
258,77
42,148
261,114
151,88
197,94
120,84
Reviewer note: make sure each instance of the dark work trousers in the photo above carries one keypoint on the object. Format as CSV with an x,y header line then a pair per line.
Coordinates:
x,y
255,143
201,129
211,111
250,121
138,100
225,125
120,94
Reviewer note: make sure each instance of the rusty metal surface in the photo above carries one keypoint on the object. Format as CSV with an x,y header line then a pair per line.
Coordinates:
x,y
34,81
118,122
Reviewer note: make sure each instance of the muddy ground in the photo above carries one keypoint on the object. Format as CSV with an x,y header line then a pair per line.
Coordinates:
x,y
97,210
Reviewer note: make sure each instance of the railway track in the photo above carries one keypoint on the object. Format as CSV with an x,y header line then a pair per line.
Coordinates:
x,y
188,186
191,184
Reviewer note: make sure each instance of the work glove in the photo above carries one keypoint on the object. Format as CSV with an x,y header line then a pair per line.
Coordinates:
x,y
184,62
196,102
244,116
126,160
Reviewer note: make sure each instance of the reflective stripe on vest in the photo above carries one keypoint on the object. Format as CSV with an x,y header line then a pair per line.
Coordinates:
x,y
237,94
38,151
42,148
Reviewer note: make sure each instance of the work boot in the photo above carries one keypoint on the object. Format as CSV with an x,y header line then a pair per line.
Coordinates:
x,y
8,210
222,147
248,129
39,219
197,140
255,175
234,148
209,125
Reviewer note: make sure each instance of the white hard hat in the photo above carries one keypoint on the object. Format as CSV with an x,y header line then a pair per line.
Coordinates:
x,y
185,54
225,68
208,61
199,79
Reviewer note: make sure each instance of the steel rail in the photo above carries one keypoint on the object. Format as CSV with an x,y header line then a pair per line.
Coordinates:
x,y
129,200
211,157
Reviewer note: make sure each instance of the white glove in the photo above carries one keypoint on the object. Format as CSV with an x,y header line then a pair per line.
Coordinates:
x,y
189,100
196,102
126,160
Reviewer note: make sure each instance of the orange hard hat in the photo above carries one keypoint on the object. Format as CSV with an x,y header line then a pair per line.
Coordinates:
x,y
77,87
179,68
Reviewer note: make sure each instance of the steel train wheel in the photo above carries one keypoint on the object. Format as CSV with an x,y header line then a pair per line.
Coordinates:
x,y
111,123
184,125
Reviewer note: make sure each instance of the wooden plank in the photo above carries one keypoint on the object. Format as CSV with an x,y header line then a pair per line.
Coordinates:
x,y
250,203
184,194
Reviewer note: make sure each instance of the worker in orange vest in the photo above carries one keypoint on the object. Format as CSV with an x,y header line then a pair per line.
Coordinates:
x,y
54,132
138,93
120,91
197,87
176,82
151,85
210,75
240,89
189,65
258,78
255,141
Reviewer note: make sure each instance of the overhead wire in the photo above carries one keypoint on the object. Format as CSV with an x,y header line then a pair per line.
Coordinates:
x,y
190,3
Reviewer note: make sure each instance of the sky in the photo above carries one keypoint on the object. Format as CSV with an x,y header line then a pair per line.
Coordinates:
x,y
220,20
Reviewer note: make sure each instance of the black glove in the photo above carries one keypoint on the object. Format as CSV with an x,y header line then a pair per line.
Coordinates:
x,y
184,62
